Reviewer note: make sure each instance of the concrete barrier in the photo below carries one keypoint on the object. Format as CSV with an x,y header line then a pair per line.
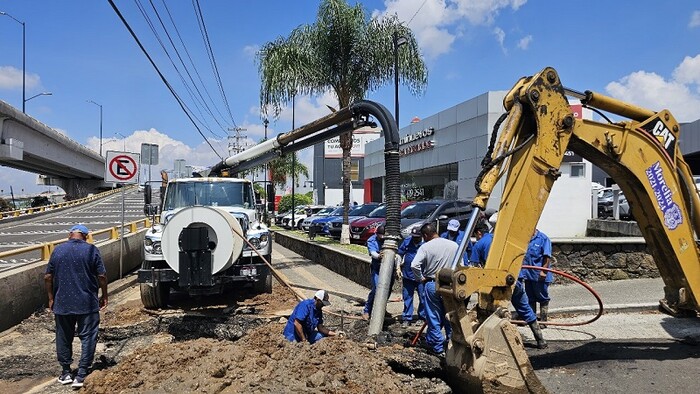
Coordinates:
x,y
22,290
612,228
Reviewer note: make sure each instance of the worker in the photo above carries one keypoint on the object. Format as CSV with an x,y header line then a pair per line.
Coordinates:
x,y
436,253
74,275
306,321
374,247
539,254
407,252
453,233
519,298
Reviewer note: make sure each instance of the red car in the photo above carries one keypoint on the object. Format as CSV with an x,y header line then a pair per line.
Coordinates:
x,y
362,229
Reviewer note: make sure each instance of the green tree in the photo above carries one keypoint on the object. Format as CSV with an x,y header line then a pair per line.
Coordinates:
x,y
344,52
299,200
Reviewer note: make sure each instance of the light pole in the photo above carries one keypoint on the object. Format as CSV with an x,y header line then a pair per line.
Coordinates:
x,y
123,141
99,105
24,57
294,161
398,41
267,198
40,94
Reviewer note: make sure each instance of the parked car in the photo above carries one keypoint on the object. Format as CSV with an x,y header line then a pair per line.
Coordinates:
x,y
280,216
605,205
299,215
362,229
321,221
306,223
334,227
438,211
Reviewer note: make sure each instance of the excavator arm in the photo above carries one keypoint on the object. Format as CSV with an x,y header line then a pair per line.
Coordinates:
x,y
641,154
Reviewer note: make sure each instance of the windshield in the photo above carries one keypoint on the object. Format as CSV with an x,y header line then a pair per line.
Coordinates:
x,y
325,211
361,210
187,194
419,211
378,213
336,211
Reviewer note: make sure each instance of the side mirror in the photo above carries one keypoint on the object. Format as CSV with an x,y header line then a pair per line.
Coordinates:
x,y
147,194
151,210
442,217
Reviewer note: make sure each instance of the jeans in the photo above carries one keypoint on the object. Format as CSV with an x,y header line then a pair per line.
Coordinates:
x,y
370,297
87,332
521,303
409,287
436,319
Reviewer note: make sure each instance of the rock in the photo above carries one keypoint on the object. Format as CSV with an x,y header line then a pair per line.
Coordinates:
x,y
318,379
619,274
219,372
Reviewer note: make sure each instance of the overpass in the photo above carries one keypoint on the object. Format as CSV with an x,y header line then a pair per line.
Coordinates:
x,y
29,145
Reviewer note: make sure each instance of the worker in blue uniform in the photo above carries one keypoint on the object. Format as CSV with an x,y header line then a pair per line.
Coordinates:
x,y
306,321
539,254
374,248
407,252
519,298
453,233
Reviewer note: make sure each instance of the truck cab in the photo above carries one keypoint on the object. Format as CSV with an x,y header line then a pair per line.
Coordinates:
x,y
222,215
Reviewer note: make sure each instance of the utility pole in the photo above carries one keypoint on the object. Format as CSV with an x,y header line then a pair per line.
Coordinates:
x,y
234,142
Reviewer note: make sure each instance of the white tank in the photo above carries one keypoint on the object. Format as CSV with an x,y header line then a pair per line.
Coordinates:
x,y
224,231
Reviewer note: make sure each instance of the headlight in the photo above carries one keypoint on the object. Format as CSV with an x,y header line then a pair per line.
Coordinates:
x,y
255,242
151,246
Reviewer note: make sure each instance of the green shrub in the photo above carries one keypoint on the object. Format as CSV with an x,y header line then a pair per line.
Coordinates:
x,y
299,199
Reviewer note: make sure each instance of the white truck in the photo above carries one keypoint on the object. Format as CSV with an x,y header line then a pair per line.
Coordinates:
x,y
197,246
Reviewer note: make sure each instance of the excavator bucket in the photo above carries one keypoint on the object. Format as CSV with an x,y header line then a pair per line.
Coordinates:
x,y
492,361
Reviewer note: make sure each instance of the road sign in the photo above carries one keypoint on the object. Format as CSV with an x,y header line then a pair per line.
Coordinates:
x,y
149,154
122,167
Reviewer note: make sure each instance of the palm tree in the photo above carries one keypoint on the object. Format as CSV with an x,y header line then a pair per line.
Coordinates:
x,y
344,52
282,167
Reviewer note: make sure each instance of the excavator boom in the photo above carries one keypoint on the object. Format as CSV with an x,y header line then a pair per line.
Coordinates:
x,y
641,154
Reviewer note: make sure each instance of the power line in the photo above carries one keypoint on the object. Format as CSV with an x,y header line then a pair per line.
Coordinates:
x,y
417,11
212,60
162,77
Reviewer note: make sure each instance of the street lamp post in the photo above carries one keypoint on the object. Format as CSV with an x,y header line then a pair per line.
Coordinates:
x,y
294,161
24,58
40,94
123,141
99,105
398,41
267,198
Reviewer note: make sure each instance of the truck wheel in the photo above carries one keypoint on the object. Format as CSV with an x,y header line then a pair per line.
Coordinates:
x,y
155,297
264,285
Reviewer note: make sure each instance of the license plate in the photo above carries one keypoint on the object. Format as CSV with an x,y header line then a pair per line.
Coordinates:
x,y
356,236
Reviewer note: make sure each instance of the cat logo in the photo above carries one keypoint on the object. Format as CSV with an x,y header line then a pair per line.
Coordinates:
x,y
663,135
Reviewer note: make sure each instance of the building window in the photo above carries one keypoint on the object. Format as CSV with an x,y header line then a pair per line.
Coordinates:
x,y
578,170
355,170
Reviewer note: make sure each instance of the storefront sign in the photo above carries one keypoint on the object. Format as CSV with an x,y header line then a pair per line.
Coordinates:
x,y
421,146
360,138
414,193
417,135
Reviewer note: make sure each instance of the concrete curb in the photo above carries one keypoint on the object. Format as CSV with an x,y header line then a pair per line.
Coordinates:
x,y
122,284
614,308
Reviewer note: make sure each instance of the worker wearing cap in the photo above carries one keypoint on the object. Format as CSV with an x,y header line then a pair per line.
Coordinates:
x,y
73,276
374,247
453,233
436,253
306,321
407,252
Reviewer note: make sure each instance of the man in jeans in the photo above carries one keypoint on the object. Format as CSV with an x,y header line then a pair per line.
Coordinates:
x,y
73,275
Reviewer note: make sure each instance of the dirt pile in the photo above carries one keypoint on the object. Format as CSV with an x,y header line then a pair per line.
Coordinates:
x,y
262,361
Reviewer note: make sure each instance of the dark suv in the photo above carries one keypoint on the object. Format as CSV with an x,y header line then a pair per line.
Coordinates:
x,y
436,211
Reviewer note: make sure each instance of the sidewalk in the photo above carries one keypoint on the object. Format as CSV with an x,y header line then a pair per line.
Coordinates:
x,y
618,296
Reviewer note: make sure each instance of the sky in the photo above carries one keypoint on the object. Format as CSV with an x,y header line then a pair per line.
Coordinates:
x,y
647,54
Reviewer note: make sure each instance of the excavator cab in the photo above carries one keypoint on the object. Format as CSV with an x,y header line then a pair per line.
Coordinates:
x,y
640,153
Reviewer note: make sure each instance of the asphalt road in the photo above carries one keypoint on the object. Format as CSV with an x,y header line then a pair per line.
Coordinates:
x,y
47,227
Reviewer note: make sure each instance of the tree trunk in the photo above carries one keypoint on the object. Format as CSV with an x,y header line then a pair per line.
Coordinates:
x,y
346,145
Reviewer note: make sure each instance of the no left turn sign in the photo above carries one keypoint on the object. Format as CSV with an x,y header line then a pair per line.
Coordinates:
x,y
122,167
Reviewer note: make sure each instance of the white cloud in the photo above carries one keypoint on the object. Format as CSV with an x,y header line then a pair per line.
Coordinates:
x,y
251,50
11,78
647,89
500,37
694,19
438,23
524,42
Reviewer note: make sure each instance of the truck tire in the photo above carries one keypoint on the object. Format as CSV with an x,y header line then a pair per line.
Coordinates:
x,y
155,297
264,285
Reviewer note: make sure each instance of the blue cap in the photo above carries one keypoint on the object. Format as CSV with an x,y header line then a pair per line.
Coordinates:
x,y
81,228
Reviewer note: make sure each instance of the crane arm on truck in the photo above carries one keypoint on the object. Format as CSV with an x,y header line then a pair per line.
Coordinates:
x,y
643,157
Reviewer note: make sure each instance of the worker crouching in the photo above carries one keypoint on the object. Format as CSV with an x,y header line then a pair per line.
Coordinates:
x,y
306,321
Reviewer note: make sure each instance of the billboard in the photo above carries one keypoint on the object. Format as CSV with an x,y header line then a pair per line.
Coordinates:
x,y
360,137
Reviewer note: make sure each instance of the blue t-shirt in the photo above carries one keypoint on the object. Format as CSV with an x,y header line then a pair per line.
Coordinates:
x,y
374,245
480,250
540,246
75,266
408,250
309,317
458,239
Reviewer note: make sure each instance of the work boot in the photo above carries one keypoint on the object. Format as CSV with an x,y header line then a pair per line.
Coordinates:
x,y
537,332
544,309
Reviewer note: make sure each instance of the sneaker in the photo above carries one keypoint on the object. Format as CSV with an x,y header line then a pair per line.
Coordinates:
x,y
78,382
65,378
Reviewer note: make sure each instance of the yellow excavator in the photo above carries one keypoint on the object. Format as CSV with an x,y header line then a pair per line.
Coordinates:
x,y
640,153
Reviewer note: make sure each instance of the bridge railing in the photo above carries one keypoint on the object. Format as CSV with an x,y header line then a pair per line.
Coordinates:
x,y
28,211
112,233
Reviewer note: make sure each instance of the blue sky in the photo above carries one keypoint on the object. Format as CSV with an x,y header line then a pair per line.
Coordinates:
x,y
646,52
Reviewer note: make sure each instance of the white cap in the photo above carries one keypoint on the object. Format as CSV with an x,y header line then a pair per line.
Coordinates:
x,y
453,225
323,296
493,218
